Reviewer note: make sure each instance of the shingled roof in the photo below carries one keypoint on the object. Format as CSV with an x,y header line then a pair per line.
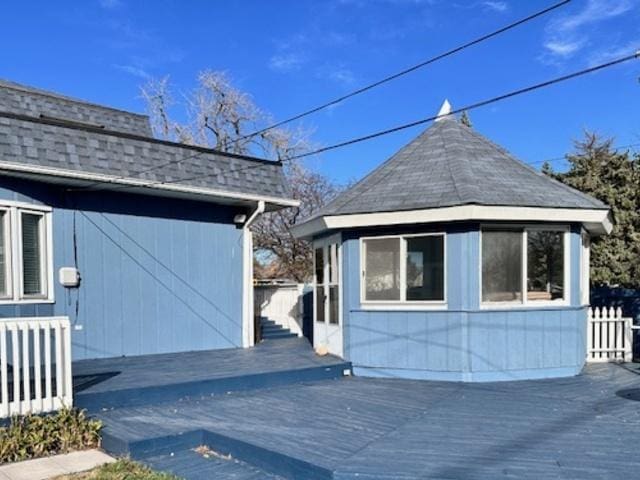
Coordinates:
x,y
47,135
450,165
16,98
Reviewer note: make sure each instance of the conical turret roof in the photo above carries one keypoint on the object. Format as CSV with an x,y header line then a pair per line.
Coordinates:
x,y
450,164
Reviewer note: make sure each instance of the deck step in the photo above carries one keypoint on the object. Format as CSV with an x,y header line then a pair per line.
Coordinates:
x,y
149,450
272,328
278,336
191,465
278,361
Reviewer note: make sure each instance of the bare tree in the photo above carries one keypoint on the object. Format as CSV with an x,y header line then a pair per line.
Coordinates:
x,y
290,257
220,116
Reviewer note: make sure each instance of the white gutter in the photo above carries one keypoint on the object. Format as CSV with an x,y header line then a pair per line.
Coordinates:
x,y
247,276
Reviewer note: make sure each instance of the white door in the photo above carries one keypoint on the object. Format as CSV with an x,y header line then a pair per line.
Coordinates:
x,y
327,296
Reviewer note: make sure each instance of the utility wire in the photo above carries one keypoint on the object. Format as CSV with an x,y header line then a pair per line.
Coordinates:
x,y
349,95
407,125
564,157
472,106
406,71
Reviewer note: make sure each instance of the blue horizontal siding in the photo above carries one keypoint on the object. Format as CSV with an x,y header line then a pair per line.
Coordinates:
x,y
464,341
158,276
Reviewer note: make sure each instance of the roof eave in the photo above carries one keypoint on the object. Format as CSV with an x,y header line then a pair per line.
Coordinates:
x,y
81,180
596,221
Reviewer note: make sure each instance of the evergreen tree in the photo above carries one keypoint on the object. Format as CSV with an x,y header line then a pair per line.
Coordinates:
x,y
613,177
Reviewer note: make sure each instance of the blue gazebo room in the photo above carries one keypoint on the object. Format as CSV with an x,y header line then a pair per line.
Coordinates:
x,y
453,260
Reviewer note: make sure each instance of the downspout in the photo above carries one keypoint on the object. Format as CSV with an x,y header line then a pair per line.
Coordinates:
x,y
247,276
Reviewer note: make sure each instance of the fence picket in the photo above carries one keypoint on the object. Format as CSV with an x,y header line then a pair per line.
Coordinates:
x,y
27,339
48,399
37,378
597,329
608,335
15,370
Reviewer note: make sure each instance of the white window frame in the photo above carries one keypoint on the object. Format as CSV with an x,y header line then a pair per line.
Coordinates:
x,y
325,245
403,303
525,303
13,229
585,275
8,242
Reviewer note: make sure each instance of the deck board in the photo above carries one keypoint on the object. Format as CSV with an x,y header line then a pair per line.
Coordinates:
x,y
387,428
172,368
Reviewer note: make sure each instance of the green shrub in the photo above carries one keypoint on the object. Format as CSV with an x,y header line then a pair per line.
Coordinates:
x,y
32,436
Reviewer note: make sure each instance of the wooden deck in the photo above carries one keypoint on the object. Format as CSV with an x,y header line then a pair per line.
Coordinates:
x,y
143,380
582,427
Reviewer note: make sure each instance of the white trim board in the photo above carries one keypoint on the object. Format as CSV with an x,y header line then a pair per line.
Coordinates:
x,y
141,185
596,221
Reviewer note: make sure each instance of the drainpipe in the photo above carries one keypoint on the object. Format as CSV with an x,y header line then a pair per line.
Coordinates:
x,y
247,276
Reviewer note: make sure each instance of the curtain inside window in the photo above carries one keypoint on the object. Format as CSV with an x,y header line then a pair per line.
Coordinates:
x,y
31,254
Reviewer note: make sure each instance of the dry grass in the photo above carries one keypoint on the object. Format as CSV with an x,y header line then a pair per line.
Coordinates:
x,y
120,470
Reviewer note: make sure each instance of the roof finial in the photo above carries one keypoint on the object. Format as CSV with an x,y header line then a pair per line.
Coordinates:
x,y
445,110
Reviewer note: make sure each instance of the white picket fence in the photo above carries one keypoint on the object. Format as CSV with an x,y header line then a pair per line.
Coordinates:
x,y
35,365
281,303
609,336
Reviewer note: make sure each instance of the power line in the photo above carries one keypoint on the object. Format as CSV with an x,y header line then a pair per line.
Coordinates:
x,y
354,93
564,157
405,71
472,106
408,125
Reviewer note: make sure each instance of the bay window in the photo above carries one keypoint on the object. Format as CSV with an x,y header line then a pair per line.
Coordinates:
x,y
24,254
403,269
524,265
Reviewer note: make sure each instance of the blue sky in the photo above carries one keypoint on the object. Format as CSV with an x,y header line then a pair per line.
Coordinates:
x,y
291,55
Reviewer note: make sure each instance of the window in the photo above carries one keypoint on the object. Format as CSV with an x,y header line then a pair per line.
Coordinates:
x,y
404,269
320,294
523,265
382,267
425,268
24,255
4,254
501,266
32,255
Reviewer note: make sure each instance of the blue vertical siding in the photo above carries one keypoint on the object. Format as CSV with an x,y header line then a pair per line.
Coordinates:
x,y
158,275
462,342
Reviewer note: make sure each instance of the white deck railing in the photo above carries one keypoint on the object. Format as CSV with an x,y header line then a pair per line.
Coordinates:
x,y
609,336
35,365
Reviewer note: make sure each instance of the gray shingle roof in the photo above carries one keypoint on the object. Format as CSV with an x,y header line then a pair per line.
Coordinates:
x,y
16,98
450,164
29,141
